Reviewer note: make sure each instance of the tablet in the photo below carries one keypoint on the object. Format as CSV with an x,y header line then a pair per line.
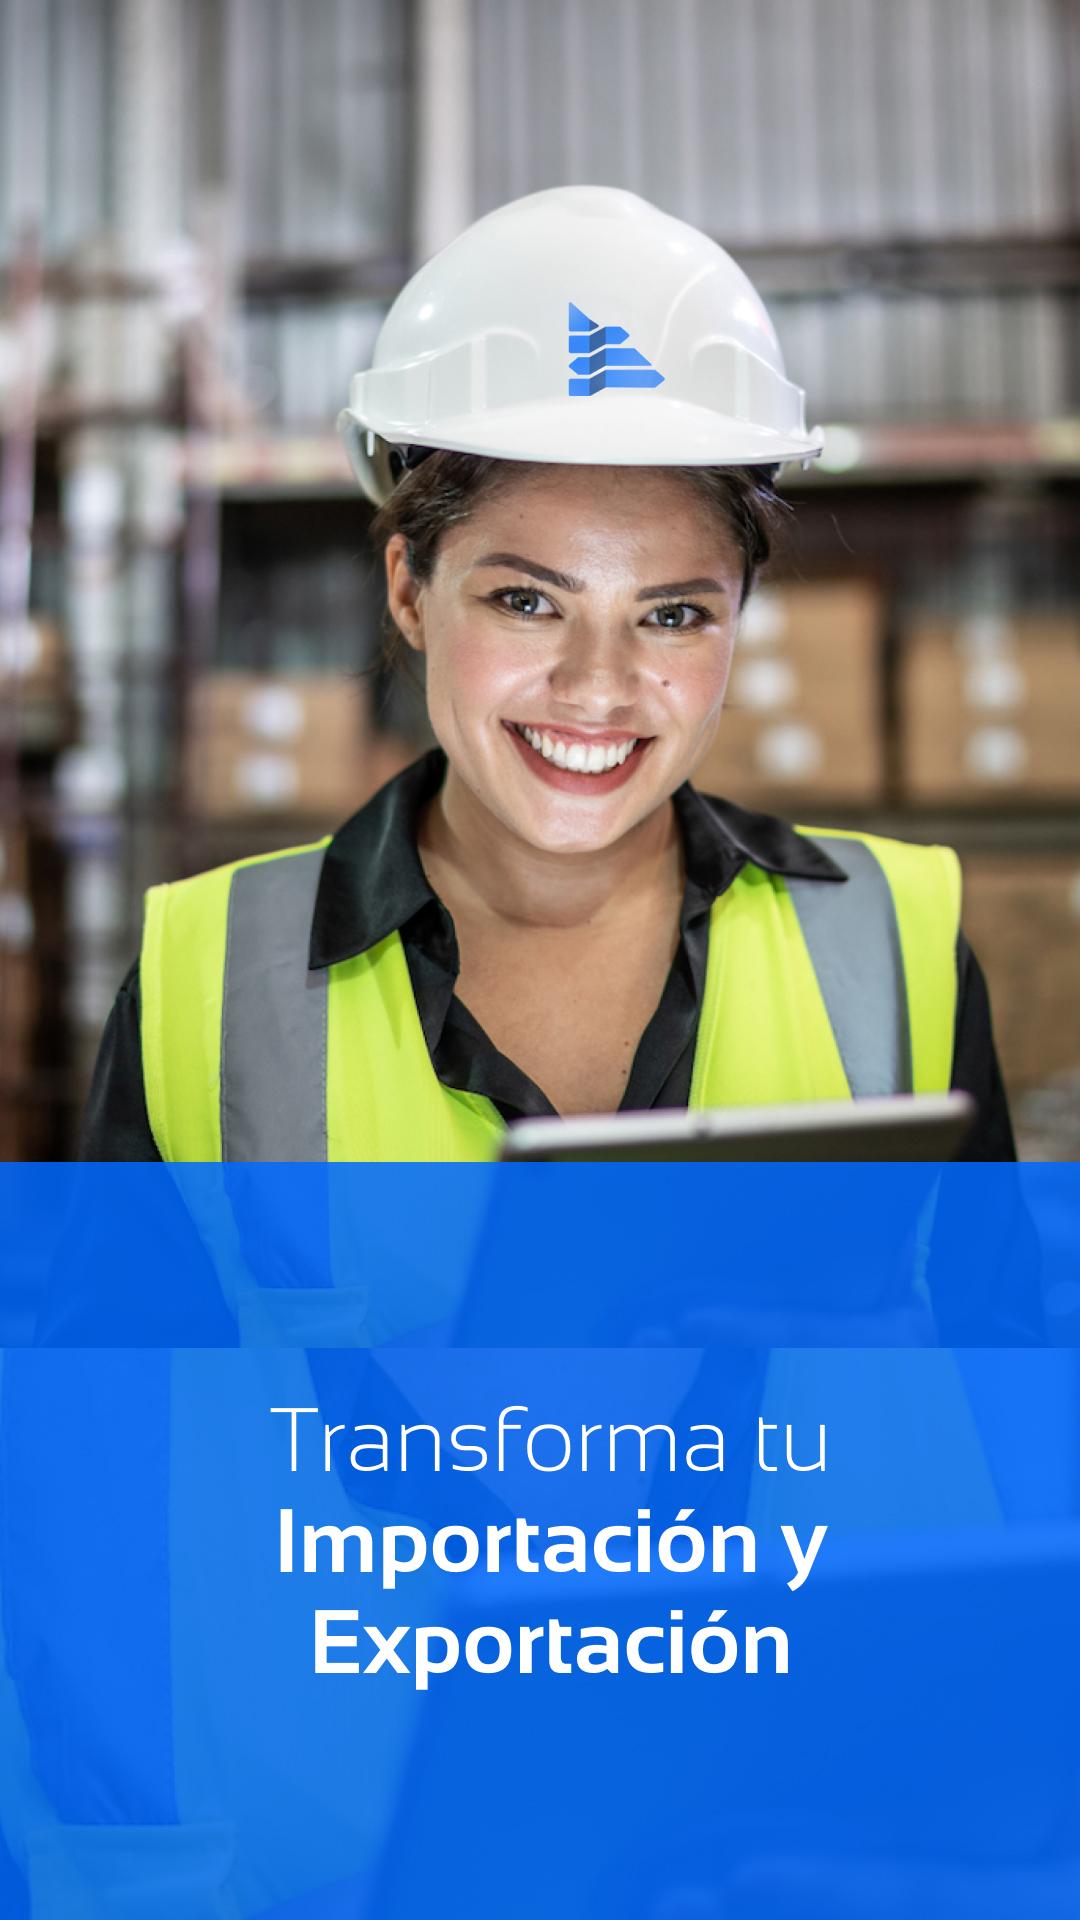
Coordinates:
x,y
925,1126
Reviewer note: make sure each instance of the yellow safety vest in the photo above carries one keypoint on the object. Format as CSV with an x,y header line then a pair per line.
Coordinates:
x,y
814,990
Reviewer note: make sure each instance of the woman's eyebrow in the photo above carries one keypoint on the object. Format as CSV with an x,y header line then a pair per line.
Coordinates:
x,y
569,584
564,580
675,587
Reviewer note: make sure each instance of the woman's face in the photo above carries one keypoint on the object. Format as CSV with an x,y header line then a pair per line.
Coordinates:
x,y
578,631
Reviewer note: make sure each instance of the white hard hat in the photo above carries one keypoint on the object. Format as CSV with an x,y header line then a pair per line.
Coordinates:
x,y
579,325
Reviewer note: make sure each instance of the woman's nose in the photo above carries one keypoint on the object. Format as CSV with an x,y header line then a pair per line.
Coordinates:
x,y
596,667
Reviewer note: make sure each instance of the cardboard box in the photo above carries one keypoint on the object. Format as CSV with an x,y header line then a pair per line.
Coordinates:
x,y
290,746
803,714
31,659
1022,916
33,683
990,710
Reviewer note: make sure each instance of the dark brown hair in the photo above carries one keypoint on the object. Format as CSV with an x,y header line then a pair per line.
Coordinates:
x,y
443,489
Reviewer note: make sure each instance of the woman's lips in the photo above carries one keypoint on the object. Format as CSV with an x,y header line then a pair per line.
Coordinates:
x,y
566,779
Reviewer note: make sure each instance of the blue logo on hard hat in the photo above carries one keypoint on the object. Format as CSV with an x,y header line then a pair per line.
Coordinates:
x,y
599,358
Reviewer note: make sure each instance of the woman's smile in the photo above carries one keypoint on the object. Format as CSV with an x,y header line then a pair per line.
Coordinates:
x,y
575,761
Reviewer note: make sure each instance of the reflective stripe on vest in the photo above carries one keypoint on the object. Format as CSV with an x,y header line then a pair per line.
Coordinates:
x,y
273,1017
854,942
814,990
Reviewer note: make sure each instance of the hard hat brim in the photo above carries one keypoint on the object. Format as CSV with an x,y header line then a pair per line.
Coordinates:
x,y
609,428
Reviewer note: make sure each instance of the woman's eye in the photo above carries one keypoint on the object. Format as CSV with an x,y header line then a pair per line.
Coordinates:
x,y
678,615
523,600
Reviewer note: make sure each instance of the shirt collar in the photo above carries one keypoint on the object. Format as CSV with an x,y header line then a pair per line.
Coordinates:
x,y
372,882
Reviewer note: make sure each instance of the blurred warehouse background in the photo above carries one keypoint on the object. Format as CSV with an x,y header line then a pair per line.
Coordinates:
x,y
205,208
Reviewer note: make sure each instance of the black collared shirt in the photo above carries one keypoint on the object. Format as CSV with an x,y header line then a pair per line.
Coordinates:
x,y
373,883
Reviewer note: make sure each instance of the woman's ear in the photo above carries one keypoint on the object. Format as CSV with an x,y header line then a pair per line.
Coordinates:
x,y
403,592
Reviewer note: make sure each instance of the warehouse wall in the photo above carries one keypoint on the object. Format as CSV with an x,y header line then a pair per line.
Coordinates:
x,y
799,119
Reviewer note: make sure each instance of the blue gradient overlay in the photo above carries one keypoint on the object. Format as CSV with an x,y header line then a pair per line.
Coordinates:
x,y
167,1747
551,1255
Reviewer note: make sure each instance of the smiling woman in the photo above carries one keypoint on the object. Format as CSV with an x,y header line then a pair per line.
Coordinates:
x,y
543,914
573,688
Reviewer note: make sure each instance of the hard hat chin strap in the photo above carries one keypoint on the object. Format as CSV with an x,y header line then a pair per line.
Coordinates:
x,y
404,459
377,464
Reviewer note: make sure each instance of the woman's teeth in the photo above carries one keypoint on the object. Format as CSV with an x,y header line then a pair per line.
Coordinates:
x,y
578,758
